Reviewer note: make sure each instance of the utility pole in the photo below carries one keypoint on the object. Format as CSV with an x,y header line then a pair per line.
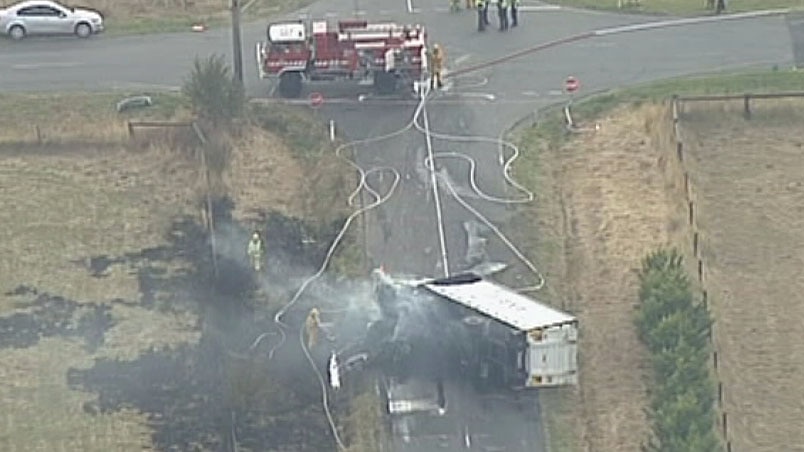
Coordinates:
x,y
236,42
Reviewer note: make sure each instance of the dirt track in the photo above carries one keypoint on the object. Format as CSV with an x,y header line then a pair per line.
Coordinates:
x,y
750,183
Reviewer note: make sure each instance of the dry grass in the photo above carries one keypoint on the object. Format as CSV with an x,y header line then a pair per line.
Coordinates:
x,y
605,203
66,207
40,413
364,425
749,180
610,196
82,192
263,174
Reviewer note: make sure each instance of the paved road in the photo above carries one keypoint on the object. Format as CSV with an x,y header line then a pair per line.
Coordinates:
x,y
518,87
405,236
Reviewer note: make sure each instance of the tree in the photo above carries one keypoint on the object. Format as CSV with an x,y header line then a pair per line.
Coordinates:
x,y
215,94
674,329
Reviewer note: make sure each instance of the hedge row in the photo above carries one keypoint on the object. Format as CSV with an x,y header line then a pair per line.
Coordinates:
x,y
675,329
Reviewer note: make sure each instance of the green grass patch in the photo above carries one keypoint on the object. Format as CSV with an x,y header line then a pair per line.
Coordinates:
x,y
309,138
124,19
364,426
25,108
551,129
678,7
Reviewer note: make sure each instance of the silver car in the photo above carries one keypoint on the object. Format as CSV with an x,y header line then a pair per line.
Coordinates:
x,y
42,17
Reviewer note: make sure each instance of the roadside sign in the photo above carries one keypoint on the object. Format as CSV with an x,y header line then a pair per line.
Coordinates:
x,y
571,84
316,99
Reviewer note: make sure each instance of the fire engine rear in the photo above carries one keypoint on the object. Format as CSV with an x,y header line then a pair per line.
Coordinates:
x,y
389,56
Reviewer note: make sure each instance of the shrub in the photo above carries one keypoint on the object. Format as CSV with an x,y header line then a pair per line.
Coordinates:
x,y
215,94
674,328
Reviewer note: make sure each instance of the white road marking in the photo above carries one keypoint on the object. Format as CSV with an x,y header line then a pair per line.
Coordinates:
x,y
530,93
467,440
35,66
461,59
555,92
487,96
409,4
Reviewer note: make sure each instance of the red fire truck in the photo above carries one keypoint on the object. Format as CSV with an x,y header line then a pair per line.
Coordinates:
x,y
389,56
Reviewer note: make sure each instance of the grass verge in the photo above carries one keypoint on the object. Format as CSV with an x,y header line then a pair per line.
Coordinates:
x,y
677,7
756,82
128,17
548,241
364,426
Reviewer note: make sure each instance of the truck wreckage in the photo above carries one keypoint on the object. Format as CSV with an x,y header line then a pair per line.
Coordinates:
x,y
464,328
470,326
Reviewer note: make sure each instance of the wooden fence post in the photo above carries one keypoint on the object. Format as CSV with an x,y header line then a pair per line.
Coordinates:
x,y
210,213
691,206
747,106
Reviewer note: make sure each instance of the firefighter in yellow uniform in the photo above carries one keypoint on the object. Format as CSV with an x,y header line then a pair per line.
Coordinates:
x,y
436,67
255,250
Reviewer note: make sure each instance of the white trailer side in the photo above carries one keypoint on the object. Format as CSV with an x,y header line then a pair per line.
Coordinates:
x,y
546,347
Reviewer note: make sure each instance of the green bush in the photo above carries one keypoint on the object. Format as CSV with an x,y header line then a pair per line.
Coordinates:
x,y
215,94
675,330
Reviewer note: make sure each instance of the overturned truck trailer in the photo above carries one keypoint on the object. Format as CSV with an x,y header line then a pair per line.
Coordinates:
x,y
514,339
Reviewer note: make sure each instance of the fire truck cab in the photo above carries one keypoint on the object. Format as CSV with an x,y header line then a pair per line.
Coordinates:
x,y
387,55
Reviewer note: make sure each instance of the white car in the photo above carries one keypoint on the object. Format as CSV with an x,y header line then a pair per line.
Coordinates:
x,y
42,17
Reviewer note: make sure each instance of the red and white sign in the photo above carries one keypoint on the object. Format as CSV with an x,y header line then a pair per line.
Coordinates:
x,y
571,84
316,100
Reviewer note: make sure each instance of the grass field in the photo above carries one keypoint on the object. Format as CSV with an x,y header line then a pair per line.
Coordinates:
x,y
749,176
678,7
75,188
607,197
152,16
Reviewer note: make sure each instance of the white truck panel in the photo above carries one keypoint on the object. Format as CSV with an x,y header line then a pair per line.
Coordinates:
x,y
292,32
552,356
